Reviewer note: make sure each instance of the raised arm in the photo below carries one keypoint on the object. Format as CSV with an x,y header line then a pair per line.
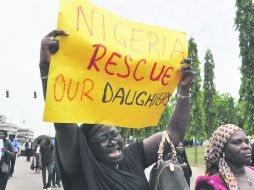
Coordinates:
x,y
178,121
66,133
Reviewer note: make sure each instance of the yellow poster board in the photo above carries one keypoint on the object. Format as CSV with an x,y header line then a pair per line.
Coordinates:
x,y
110,70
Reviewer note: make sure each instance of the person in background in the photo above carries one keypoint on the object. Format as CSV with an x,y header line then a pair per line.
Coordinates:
x,y
7,153
37,156
15,144
29,149
46,151
56,174
226,155
183,161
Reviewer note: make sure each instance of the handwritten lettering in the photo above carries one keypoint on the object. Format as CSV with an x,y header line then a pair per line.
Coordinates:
x,y
178,48
89,28
138,40
60,93
59,82
69,91
129,97
116,61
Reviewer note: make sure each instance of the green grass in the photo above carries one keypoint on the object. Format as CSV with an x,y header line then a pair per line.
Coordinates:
x,y
190,151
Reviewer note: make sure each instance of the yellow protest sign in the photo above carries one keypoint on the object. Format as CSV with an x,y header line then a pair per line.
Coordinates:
x,y
110,70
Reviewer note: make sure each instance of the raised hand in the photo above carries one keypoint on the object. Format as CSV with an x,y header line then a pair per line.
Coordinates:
x,y
50,45
187,73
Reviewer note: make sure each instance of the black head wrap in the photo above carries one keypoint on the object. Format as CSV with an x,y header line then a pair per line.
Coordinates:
x,y
89,129
12,135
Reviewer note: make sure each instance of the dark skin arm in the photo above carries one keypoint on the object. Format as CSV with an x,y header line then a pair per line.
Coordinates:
x,y
178,122
66,133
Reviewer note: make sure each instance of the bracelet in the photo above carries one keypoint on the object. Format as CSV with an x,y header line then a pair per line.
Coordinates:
x,y
183,97
44,77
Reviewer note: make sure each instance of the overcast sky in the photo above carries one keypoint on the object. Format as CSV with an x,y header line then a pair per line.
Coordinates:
x,y
25,22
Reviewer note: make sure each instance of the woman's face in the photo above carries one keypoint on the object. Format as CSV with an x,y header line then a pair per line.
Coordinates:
x,y
107,145
180,148
238,149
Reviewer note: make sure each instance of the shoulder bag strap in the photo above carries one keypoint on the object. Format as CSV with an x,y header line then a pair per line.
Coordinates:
x,y
164,137
172,147
160,151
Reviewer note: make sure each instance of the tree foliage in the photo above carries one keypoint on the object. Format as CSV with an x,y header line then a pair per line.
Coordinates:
x,y
196,126
209,93
225,109
209,109
244,24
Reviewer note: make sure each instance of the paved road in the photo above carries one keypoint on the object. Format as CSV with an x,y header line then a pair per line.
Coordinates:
x,y
26,179
196,171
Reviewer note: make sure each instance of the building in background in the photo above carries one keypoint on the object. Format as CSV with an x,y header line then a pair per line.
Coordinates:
x,y
25,134
22,134
9,127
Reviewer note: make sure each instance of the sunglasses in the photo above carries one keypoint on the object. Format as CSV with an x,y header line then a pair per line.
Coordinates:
x,y
104,140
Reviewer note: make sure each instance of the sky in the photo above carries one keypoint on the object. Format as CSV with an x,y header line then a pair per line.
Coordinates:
x,y
25,22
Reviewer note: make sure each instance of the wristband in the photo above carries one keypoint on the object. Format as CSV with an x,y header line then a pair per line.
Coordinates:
x,y
44,77
183,97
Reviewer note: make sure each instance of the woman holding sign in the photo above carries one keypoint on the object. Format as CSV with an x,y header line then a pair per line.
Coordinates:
x,y
93,156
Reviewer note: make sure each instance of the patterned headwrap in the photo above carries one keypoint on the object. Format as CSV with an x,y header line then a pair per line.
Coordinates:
x,y
215,157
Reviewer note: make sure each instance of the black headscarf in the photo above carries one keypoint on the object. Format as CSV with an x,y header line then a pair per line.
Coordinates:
x,y
89,129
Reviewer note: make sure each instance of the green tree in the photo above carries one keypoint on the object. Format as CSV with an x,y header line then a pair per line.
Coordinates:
x,y
209,93
239,107
244,24
196,128
225,109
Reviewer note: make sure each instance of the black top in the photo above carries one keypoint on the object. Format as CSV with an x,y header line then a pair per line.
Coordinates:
x,y
46,153
5,157
26,145
182,158
94,175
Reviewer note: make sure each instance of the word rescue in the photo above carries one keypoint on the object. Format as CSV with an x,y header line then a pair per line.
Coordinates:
x,y
111,63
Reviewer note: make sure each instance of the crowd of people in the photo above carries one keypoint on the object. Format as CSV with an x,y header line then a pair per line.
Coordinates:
x,y
229,159
41,152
